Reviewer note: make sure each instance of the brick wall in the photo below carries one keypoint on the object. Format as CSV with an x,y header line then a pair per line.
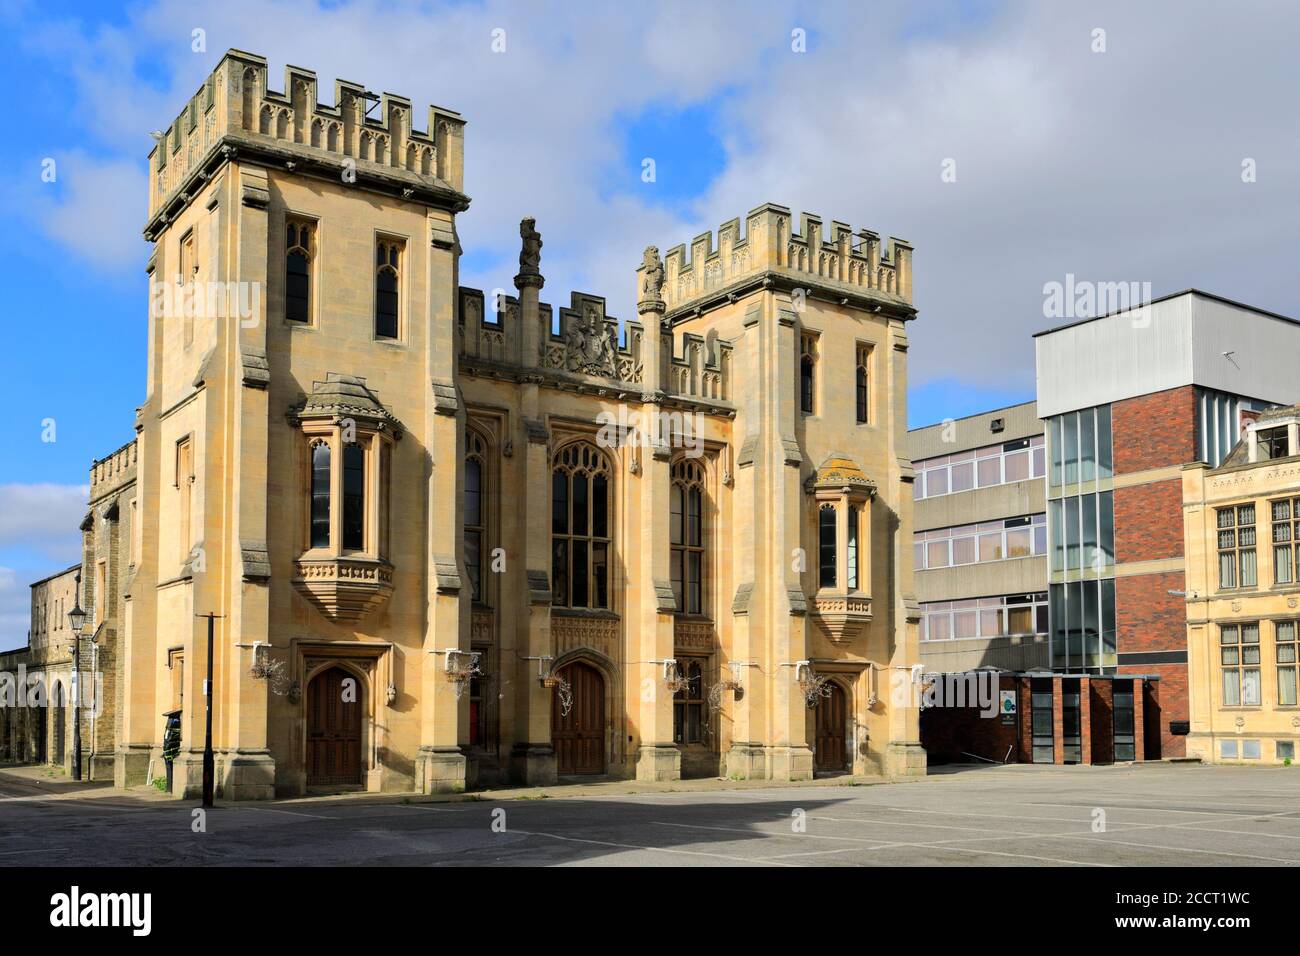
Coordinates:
x,y
1154,431
949,733
1147,616
1166,700
1149,521
1101,695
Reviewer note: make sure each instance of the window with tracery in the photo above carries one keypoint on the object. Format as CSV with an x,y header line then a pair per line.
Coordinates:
x,y
580,527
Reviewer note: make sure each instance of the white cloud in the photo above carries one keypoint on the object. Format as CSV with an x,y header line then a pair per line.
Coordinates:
x,y
1115,166
43,520
97,211
15,610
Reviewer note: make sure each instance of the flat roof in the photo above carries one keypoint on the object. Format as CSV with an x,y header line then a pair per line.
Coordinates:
x,y
991,411
1165,298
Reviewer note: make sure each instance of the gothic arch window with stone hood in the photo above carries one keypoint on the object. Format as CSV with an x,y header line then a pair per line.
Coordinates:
x,y
808,373
298,260
686,535
862,380
580,527
476,508
388,264
348,440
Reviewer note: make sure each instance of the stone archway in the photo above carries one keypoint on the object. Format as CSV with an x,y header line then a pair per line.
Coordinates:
x,y
832,721
579,736
334,728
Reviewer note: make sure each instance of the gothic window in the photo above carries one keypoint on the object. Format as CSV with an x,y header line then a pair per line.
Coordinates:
x,y
320,495
580,526
347,490
185,486
807,366
475,519
826,557
189,268
297,271
852,554
861,383
388,257
686,530
688,705
386,490
354,497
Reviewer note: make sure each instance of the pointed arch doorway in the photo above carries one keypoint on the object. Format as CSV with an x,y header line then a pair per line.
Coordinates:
x,y
334,729
579,736
832,724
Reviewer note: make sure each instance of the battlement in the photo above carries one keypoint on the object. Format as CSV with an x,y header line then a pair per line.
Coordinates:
x,y
235,104
582,342
835,255
113,470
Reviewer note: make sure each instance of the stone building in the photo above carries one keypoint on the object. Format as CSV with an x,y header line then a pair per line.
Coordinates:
x,y
452,540
36,716
36,727
1242,525
106,569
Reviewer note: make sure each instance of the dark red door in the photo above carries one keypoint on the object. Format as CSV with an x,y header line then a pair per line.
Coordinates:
x,y
831,722
579,736
333,730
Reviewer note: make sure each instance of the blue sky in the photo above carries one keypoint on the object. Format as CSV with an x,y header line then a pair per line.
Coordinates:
x,y
1116,165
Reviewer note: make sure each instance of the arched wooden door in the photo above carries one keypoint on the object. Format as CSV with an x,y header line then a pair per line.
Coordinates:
x,y
333,730
831,727
579,735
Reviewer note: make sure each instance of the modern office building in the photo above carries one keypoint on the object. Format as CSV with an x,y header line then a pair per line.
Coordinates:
x,y
1243,595
980,541
1127,400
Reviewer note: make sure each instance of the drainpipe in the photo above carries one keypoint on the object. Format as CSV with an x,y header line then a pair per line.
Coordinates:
x,y
94,704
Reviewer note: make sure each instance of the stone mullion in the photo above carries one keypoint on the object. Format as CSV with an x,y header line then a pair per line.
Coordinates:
x,y
896,636
248,770
444,728
791,758
658,757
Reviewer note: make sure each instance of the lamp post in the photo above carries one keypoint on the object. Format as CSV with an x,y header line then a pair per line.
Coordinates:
x,y
209,768
77,622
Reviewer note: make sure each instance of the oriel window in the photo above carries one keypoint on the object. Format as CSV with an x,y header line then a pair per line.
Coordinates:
x,y
354,497
320,495
826,556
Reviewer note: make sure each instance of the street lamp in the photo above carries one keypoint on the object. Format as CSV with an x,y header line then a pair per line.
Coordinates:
x,y
77,622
